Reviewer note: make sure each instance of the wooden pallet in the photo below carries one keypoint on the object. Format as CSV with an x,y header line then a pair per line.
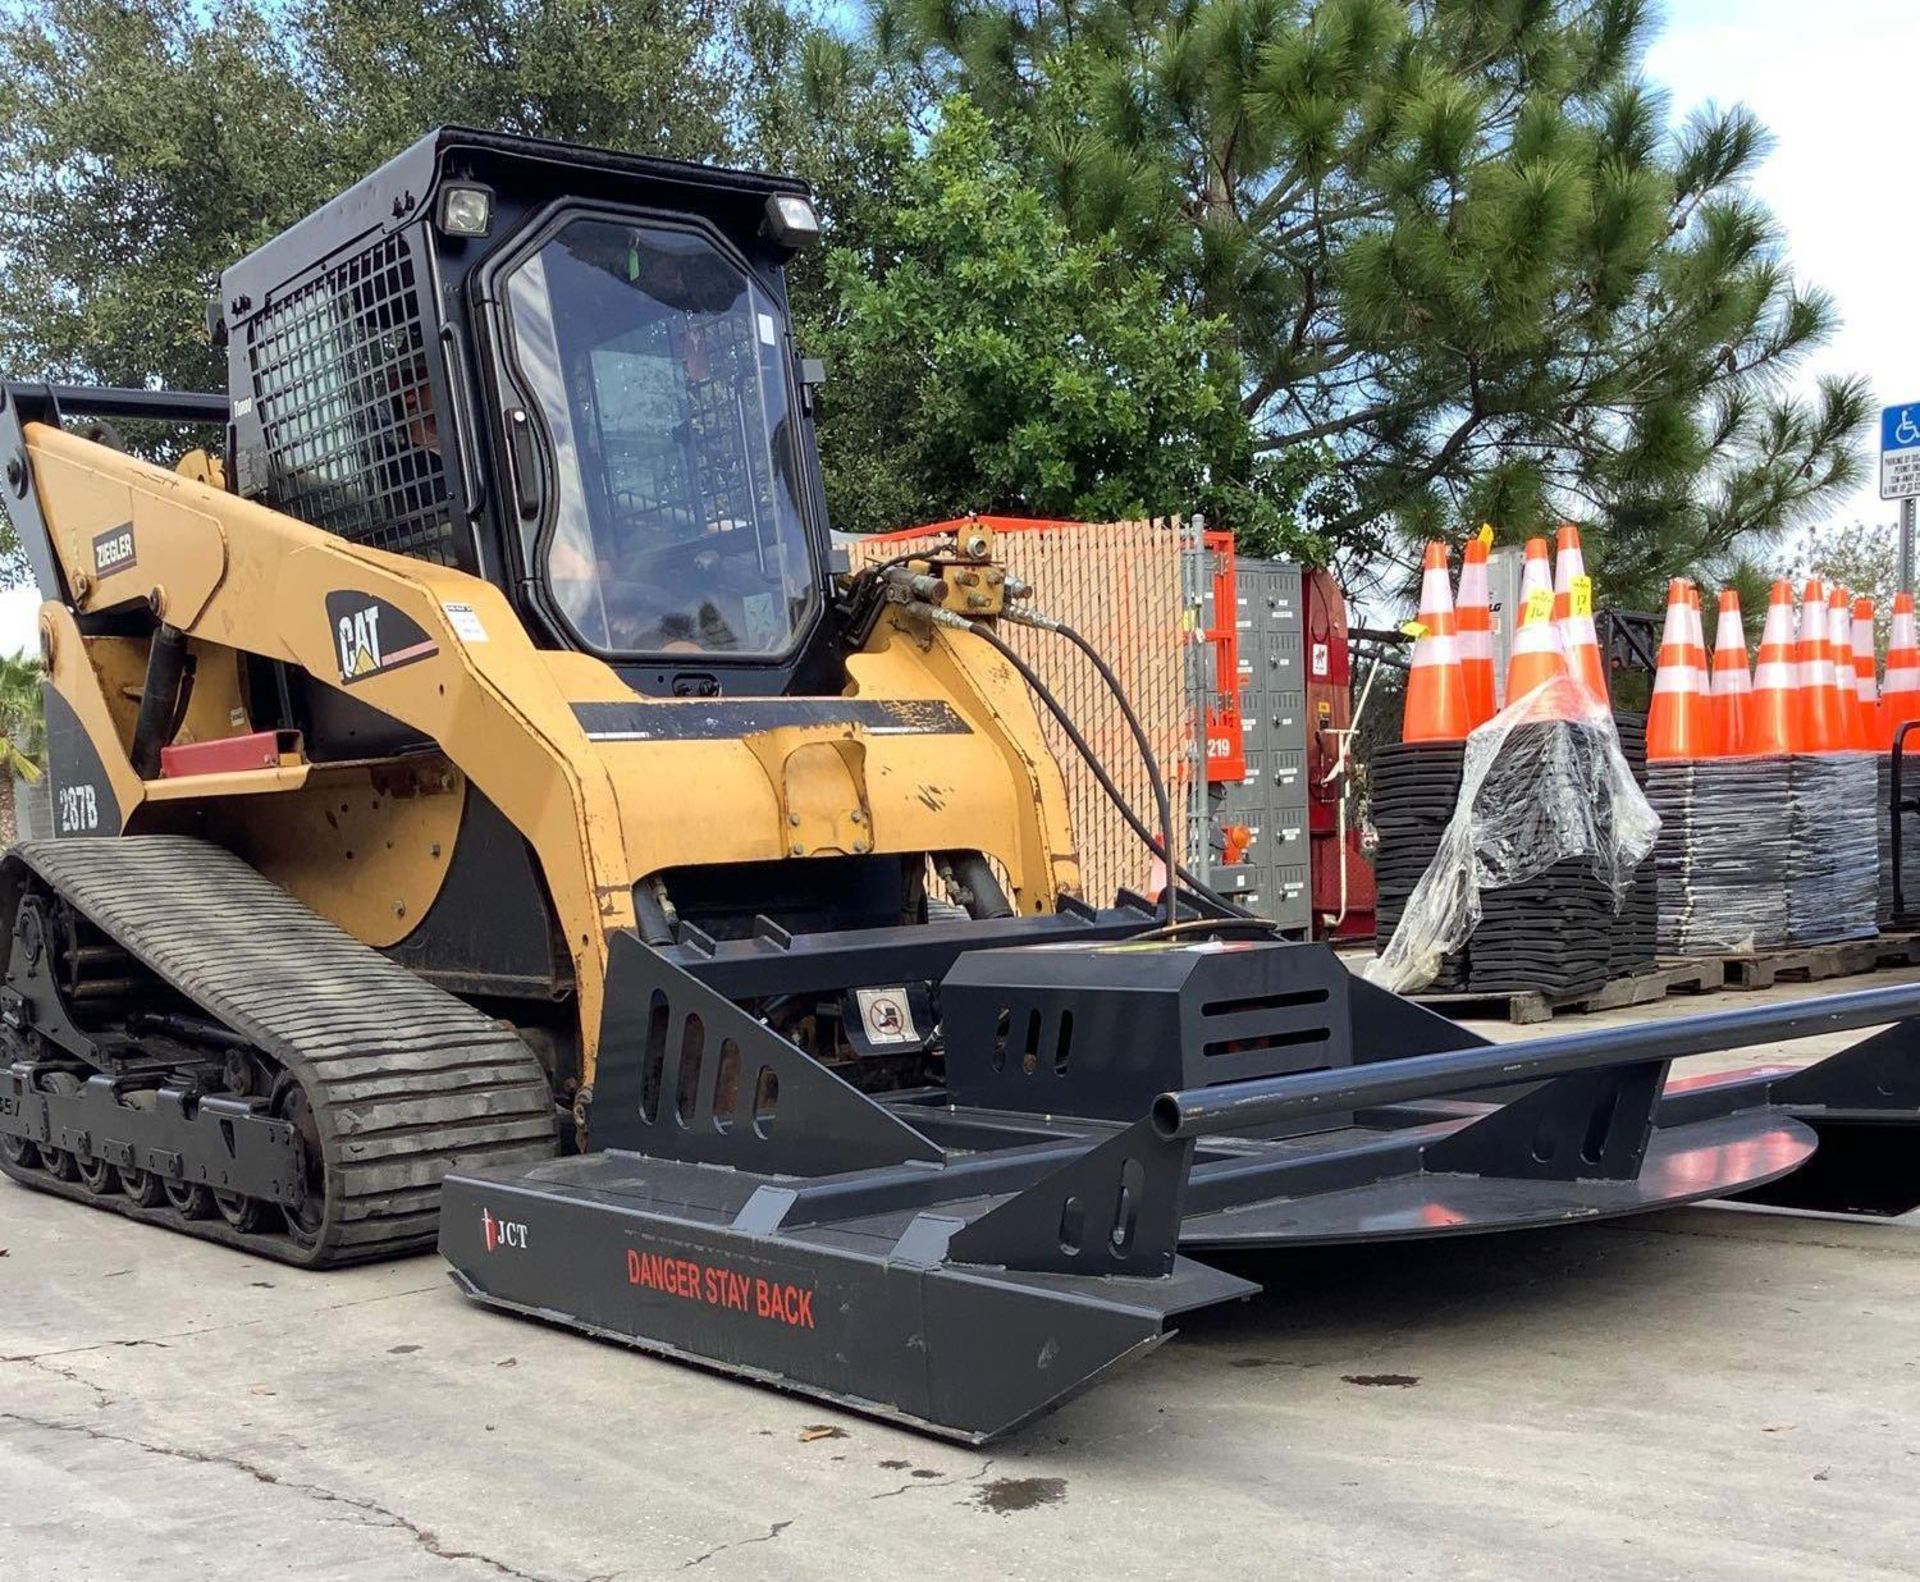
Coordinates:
x,y
1524,1007
1810,963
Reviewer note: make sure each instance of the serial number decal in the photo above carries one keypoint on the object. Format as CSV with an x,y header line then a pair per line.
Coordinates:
x,y
715,1285
79,809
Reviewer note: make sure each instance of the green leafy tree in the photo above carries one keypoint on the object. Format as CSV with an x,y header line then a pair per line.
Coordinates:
x,y
23,734
982,359
644,76
1455,243
144,145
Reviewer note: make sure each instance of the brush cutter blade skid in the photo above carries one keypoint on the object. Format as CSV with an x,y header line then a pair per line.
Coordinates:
x,y
966,1259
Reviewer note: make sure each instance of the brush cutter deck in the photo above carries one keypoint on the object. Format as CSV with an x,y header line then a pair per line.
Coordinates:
x,y
967,1259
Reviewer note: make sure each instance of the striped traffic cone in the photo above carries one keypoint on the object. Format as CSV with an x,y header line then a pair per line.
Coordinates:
x,y
1538,655
1436,709
1732,682
1697,636
1865,687
1774,717
1680,720
1821,728
1475,617
1855,733
1900,697
1573,614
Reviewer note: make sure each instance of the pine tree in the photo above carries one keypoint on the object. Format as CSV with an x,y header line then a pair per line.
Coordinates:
x,y
1456,243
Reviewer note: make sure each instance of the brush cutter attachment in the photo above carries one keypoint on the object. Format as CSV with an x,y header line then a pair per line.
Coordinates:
x,y
964,1260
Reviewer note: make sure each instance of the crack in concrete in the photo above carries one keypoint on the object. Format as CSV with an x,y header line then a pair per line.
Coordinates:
x,y
768,1536
101,1399
210,1329
425,1537
935,1483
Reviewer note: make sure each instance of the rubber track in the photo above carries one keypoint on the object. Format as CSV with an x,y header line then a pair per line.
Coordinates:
x,y
406,1081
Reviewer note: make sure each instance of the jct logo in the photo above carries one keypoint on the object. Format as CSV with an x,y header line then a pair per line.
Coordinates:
x,y
502,1232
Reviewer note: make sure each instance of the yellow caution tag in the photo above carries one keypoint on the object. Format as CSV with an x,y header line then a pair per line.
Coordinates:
x,y
1486,534
1582,596
1413,629
1539,606
1189,620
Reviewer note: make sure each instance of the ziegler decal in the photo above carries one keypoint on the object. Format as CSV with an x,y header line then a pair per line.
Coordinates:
x,y
371,637
498,1233
113,550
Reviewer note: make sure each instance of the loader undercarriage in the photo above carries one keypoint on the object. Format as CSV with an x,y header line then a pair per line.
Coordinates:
x,y
188,1045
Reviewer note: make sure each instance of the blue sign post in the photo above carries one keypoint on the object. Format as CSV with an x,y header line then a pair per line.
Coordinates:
x,y
1900,452
1900,475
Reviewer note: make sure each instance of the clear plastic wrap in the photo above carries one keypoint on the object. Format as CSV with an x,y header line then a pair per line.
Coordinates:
x,y
1760,854
1833,868
1725,854
1544,781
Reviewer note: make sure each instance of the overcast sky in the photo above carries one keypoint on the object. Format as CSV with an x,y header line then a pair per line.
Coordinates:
x,y
1834,83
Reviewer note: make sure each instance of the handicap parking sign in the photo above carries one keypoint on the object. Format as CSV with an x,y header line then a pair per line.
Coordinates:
x,y
1900,452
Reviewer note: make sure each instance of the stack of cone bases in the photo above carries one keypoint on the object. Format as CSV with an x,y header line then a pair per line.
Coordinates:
x,y
1865,685
1732,682
1475,620
1632,939
1899,704
1821,728
1680,722
1539,655
1833,851
1900,697
1573,614
1436,707
1773,717
1833,856
1856,732
1413,790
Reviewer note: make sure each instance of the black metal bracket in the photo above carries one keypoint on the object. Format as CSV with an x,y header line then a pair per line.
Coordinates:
x,y
1114,1209
1588,1126
1899,805
1878,1073
685,1074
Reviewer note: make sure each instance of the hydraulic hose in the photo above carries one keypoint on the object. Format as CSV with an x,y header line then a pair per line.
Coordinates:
x,y
1106,782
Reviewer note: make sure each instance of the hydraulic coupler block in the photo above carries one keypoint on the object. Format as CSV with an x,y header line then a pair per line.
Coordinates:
x,y
1101,1030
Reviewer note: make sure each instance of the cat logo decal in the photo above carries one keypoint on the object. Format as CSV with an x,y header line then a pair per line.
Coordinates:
x,y
371,637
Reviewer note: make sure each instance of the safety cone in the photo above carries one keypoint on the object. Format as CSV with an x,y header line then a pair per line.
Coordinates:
x,y
1538,654
1573,614
1900,698
1436,690
1697,639
1680,721
1732,682
1856,730
1822,730
1865,686
1774,717
1475,617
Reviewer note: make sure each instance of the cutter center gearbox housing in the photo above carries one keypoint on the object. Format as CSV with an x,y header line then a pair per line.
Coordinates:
x,y
485,817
